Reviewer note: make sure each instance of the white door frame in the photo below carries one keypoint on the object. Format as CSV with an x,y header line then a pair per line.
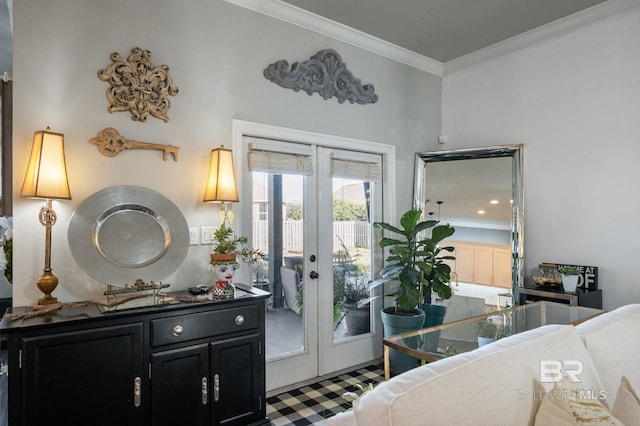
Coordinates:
x,y
241,128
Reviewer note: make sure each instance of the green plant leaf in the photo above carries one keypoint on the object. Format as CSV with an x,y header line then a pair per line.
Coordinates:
x,y
390,271
388,227
409,220
386,242
441,232
424,225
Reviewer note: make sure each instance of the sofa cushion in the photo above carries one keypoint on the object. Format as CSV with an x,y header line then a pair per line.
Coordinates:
x,y
612,340
565,405
627,406
495,384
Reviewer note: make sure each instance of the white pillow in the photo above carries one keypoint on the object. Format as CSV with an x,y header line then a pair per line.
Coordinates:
x,y
566,405
627,405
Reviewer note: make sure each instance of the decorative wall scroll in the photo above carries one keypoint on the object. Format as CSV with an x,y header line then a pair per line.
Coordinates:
x,y
137,86
323,73
110,143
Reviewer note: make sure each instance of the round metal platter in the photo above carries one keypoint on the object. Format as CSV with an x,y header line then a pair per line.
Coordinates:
x,y
123,233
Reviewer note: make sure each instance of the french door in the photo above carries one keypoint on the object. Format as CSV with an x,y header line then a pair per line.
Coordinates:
x,y
312,210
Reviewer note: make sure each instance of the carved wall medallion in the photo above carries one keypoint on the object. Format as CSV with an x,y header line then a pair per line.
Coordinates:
x,y
110,142
323,73
137,86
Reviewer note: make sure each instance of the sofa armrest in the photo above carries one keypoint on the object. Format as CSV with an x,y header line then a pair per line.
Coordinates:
x,y
342,419
612,341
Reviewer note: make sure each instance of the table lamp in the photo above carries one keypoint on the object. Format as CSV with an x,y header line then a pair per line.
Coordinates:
x,y
46,178
221,184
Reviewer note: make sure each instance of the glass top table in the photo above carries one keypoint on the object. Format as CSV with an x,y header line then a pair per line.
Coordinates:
x,y
433,343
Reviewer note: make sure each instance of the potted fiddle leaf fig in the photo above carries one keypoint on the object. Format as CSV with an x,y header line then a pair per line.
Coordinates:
x,y
416,263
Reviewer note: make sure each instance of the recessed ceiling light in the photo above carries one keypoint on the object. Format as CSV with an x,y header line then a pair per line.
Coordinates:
x,y
481,212
494,201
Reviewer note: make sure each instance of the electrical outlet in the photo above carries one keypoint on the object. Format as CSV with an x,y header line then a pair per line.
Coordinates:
x,y
206,234
193,236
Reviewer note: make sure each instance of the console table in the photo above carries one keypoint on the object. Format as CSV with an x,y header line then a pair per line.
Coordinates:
x,y
433,343
588,298
197,363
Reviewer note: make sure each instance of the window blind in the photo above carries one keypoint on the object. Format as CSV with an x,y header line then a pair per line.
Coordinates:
x,y
273,156
356,165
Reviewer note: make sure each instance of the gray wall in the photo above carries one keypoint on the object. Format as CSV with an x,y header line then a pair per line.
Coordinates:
x,y
216,53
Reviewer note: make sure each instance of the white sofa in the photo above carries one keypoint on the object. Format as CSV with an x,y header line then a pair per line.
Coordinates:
x,y
499,384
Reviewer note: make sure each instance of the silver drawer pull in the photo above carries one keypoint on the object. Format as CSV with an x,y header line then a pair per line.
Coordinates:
x,y
216,388
240,319
137,392
205,390
177,330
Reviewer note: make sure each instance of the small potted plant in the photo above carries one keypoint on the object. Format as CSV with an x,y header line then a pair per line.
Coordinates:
x,y
493,328
227,247
223,265
570,276
356,305
352,282
487,332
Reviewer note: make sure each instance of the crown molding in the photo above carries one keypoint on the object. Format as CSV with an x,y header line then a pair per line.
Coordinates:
x,y
312,22
540,34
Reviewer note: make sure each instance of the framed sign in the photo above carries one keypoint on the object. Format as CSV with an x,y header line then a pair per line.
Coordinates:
x,y
588,277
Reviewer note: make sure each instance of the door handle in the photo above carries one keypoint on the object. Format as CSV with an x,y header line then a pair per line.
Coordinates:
x,y
313,275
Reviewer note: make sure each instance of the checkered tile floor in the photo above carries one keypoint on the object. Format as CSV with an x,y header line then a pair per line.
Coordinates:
x,y
312,404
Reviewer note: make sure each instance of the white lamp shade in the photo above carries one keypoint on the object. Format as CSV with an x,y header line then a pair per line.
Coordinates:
x,y
221,184
47,171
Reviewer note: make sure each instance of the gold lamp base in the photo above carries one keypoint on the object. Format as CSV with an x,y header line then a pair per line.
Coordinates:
x,y
47,283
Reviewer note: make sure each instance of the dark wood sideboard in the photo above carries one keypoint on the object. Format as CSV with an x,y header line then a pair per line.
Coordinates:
x,y
191,364
533,293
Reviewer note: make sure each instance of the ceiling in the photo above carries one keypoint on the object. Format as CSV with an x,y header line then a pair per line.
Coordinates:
x,y
444,30
441,30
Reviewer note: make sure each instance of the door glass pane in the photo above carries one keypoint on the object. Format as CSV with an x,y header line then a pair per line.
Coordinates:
x,y
278,231
351,257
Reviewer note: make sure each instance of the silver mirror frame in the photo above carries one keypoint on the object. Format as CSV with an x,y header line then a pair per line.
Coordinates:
x,y
517,221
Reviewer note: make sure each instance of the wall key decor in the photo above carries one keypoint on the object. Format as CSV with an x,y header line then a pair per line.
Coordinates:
x,y
110,142
137,86
324,73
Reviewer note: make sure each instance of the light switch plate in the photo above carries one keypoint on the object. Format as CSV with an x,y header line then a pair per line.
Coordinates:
x,y
206,234
193,237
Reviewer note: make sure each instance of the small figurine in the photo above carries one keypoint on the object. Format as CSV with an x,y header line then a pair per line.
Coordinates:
x,y
222,275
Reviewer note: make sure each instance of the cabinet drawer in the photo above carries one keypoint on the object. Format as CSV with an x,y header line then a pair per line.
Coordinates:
x,y
202,325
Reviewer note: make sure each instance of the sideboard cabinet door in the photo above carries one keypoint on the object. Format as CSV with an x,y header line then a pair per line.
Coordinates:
x,y
237,380
180,389
87,377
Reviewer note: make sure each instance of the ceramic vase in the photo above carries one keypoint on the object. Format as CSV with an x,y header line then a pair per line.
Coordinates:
x,y
570,283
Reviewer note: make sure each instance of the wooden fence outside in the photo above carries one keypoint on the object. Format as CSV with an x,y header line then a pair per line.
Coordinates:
x,y
352,234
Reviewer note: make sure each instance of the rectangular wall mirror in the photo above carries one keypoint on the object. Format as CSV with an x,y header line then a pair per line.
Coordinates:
x,y
479,192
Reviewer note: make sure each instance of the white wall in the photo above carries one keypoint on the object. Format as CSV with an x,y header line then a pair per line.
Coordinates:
x,y
216,53
574,102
